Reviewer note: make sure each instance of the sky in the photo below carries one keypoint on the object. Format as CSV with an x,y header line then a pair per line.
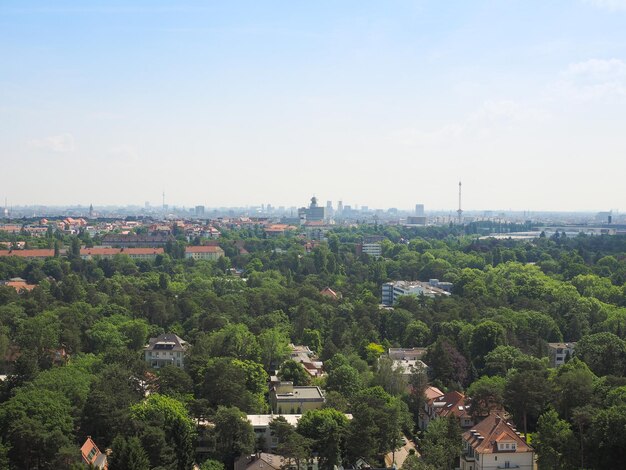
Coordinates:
x,y
378,103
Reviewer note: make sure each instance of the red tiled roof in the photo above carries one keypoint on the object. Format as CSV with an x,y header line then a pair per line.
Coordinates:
x,y
20,285
38,253
485,435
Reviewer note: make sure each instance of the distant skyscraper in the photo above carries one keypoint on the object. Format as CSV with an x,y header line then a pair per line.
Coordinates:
x,y
199,211
314,213
339,207
419,210
91,211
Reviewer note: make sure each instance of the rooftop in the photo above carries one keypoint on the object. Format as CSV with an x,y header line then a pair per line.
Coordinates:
x,y
484,437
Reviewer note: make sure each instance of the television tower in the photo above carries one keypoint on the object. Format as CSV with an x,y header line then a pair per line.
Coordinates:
x,y
460,211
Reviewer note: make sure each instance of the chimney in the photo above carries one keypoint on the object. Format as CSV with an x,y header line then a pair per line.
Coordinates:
x,y
498,419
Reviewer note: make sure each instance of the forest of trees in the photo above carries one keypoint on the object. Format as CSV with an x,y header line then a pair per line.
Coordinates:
x,y
489,339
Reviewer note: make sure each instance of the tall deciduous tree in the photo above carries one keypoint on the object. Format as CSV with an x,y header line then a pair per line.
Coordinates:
x,y
555,443
234,435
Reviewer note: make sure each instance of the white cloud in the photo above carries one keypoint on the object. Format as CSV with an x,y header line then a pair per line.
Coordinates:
x,y
612,5
593,79
62,143
127,153
600,69
491,118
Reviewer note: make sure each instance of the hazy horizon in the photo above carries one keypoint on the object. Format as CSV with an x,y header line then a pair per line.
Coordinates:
x,y
384,104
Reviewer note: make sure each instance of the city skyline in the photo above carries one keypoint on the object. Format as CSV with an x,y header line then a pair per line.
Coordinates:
x,y
385,105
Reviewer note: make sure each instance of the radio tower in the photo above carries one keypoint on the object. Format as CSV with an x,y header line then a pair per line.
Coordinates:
x,y
163,201
460,211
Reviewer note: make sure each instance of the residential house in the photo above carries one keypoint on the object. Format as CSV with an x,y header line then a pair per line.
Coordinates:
x,y
560,353
92,455
260,461
289,399
448,404
277,230
18,284
410,354
263,432
331,294
495,443
166,349
303,355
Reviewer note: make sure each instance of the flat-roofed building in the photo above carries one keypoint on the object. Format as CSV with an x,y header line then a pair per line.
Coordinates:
x,y
289,399
392,291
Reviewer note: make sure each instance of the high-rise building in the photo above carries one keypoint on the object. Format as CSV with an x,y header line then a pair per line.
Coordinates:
x,y
313,213
199,211
339,207
419,210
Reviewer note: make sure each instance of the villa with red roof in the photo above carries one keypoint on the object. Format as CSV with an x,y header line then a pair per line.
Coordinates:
x,y
495,443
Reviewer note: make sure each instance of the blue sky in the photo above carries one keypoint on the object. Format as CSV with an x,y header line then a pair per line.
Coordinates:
x,y
381,103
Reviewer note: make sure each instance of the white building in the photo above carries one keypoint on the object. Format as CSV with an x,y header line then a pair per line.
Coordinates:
x,y
560,353
209,252
391,291
167,349
494,443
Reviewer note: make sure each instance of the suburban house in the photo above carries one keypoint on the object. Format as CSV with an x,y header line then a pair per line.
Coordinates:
x,y
331,294
289,399
209,252
495,443
307,358
92,455
560,353
409,354
449,404
164,350
18,284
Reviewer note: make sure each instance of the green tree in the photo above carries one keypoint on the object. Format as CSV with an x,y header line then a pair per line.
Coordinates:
x,y
234,435
604,353
169,416
293,371
174,381
128,454
485,338
390,378
36,424
345,380
486,394
211,464
274,344
377,424
554,442
442,442
527,391
413,462
327,430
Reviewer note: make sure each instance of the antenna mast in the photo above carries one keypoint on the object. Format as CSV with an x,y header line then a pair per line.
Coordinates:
x,y
460,211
